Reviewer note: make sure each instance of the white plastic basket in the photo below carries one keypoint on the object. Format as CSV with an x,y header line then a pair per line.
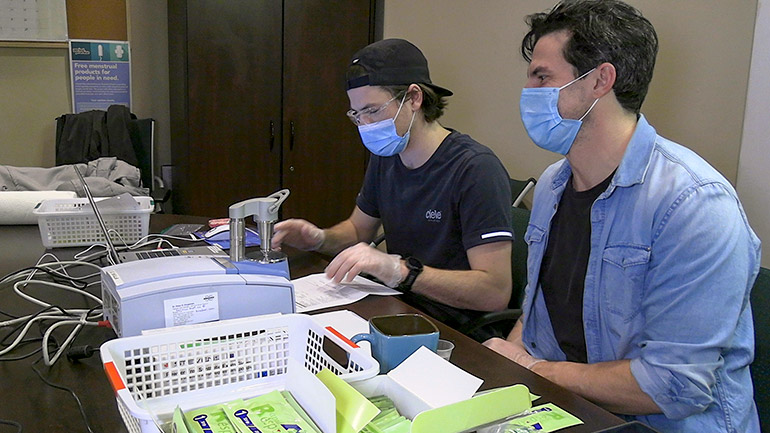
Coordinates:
x,y
71,222
200,365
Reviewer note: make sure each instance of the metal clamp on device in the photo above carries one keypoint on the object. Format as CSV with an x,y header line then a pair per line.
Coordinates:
x,y
265,211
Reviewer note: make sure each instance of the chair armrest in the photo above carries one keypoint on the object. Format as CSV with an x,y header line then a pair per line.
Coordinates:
x,y
490,318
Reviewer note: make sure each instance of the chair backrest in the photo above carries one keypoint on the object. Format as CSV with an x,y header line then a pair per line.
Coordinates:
x,y
760,368
519,255
142,133
86,136
519,190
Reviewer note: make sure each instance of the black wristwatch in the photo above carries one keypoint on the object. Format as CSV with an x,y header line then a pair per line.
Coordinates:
x,y
415,267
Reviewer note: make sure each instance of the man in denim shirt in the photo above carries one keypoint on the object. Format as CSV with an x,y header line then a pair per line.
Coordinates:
x,y
641,258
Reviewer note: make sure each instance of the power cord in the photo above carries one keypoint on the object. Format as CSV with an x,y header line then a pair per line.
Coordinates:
x,y
76,353
77,317
12,424
64,388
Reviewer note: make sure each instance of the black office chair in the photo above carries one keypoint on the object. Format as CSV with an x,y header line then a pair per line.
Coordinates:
x,y
86,136
760,368
519,190
142,132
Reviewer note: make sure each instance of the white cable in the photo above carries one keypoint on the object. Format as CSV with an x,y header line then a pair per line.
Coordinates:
x,y
30,322
66,317
57,316
17,289
143,242
81,255
67,263
79,324
64,320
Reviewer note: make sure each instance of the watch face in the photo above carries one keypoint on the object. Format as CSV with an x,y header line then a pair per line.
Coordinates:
x,y
413,263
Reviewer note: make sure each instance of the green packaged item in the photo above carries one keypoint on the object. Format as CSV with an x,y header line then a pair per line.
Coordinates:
x,y
403,426
211,419
267,413
388,420
297,408
178,424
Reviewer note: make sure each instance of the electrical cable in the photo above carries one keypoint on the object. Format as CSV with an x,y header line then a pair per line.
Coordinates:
x,y
149,240
18,285
77,353
62,272
78,326
21,325
64,388
79,319
43,268
22,357
12,424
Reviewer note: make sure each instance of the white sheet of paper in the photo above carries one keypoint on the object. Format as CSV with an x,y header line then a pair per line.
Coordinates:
x,y
315,291
434,380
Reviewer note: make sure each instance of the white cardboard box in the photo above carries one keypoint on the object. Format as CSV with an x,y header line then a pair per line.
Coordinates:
x,y
439,396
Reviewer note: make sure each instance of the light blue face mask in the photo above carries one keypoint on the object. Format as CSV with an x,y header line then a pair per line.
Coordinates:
x,y
544,124
381,137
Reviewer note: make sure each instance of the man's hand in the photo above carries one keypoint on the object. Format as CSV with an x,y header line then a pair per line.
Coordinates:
x,y
513,351
299,234
363,258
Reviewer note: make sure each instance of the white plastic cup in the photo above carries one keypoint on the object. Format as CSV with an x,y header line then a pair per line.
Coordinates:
x,y
444,348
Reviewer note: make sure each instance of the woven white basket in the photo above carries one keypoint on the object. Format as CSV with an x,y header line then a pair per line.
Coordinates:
x,y
201,365
71,222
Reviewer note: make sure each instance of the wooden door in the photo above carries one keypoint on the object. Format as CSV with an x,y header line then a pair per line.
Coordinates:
x,y
228,148
324,160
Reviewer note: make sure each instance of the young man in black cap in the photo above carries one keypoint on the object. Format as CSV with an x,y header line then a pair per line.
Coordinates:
x,y
442,198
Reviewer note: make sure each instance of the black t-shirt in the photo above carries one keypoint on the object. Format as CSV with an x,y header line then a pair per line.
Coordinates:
x,y
460,198
563,270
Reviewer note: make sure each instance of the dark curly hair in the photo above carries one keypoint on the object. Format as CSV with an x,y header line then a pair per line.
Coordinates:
x,y
602,31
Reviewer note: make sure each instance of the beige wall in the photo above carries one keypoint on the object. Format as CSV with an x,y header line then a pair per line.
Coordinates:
x,y
34,83
35,90
755,159
148,35
697,95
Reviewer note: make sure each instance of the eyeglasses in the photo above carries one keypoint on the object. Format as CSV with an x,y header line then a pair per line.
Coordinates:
x,y
369,113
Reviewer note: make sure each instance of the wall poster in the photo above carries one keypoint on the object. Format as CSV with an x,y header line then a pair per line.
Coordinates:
x,y
100,72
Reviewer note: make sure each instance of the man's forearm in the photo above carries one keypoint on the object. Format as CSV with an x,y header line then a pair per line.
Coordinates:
x,y
608,384
472,289
338,237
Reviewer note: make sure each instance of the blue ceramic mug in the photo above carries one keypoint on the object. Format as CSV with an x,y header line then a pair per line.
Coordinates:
x,y
395,337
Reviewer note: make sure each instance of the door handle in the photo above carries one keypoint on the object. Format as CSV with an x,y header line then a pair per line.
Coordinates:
x,y
272,135
291,137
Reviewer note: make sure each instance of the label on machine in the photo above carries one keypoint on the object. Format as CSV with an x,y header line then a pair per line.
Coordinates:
x,y
191,309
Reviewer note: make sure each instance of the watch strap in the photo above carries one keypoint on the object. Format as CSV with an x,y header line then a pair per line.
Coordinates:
x,y
415,268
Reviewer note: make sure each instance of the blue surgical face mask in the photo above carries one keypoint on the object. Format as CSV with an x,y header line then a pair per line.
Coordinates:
x,y
381,137
540,115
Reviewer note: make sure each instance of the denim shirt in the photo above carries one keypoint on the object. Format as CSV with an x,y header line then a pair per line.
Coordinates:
x,y
667,286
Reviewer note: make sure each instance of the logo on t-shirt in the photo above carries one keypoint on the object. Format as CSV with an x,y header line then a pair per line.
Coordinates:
x,y
433,215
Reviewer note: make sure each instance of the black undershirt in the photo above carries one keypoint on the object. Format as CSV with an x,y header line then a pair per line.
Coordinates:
x,y
563,271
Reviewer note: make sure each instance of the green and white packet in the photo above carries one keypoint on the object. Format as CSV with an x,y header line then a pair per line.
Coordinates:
x,y
210,419
544,418
297,408
268,413
388,420
178,424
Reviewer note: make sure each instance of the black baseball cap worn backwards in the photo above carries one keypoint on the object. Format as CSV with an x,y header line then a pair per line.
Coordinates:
x,y
393,62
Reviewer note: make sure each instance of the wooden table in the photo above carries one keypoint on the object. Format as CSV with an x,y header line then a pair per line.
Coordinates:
x,y
38,407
